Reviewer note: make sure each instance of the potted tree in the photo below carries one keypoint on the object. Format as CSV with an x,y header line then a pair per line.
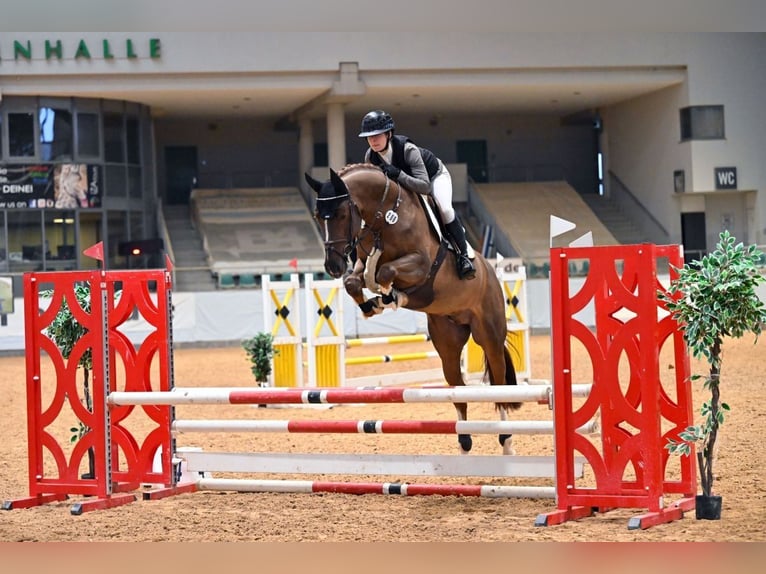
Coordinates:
x,y
260,350
65,331
714,298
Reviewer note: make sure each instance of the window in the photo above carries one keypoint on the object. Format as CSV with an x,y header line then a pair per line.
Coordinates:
x,y
88,141
60,240
114,142
135,188
116,184
117,224
702,123
25,240
21,134
56,133
133,141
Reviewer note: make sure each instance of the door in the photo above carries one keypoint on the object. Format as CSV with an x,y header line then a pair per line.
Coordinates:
x,y
693,235
180,173
473,153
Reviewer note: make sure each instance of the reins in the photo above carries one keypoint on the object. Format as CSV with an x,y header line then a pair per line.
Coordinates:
x,y
391,217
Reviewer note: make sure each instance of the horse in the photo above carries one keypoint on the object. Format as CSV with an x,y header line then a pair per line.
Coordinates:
x,y
404,259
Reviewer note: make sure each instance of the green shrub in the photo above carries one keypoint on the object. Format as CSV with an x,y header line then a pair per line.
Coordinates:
x,y
260,351
714,298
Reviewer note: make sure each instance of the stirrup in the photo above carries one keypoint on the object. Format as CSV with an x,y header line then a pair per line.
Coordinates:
x,y
465,268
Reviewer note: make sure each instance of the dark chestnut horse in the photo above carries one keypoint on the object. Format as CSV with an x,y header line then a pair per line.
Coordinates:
x,y
402,259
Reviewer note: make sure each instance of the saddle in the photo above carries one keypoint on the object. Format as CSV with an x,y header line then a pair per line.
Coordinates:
x,y
437,225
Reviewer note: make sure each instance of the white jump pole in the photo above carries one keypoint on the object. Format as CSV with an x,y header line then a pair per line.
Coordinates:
x,y
431,465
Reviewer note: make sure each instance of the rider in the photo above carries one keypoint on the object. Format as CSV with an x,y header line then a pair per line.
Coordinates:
x,y
419,170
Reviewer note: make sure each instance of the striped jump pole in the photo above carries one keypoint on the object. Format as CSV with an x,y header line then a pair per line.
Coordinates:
x,y
254,395
390,358
392,488
368,360
197,466
374,426
391,339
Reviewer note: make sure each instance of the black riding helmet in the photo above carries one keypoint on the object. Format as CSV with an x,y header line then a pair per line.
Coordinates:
x,y
376,122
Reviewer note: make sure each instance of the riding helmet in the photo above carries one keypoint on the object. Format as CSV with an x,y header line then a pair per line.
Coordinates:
x,y
376,122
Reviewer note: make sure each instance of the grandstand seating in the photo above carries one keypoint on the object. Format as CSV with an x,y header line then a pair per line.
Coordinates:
x,y
251,232
521,211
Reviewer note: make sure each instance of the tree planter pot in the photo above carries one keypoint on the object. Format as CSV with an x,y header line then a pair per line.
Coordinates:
x,y
262,385
707,507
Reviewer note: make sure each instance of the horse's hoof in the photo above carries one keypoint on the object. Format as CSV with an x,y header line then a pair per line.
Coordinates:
x,y
506,441
389,300
465,442
371,307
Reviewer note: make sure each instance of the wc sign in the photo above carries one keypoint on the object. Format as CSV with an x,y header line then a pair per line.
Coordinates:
x,y
726,178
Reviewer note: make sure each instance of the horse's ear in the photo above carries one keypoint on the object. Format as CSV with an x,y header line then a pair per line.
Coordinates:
x,y
315,185
337,182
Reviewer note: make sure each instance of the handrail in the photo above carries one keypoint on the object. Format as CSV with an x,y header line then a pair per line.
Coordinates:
x,y
162,228
502,243
637,209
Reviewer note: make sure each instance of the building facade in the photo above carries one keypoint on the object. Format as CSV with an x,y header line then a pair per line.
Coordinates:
x,y
99,131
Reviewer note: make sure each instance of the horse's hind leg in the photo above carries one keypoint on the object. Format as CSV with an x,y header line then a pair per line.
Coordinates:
x,y
506,440
448,339
490,336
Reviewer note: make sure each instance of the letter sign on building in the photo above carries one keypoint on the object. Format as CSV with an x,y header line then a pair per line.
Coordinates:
x,y
726,178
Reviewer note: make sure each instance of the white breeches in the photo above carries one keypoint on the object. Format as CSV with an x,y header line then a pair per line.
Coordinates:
x,y
442,190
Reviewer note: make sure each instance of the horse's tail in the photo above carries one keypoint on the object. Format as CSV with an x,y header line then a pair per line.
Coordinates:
x,y
510,377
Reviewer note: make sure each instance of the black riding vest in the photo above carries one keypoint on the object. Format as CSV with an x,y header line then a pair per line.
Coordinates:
x,y
397,159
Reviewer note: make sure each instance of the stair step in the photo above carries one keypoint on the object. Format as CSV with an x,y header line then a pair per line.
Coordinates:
x,y
615,219
195,261
188,251
186,243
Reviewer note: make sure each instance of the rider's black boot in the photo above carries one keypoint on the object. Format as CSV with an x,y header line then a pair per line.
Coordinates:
x,y
456,234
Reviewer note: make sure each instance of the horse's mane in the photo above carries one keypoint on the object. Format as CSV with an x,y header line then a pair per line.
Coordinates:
x,y
357,166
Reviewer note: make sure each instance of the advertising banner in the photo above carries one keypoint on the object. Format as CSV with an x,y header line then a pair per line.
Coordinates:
x,y
6,295
52,186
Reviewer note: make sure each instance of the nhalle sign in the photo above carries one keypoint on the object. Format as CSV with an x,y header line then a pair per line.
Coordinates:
x,y
726,178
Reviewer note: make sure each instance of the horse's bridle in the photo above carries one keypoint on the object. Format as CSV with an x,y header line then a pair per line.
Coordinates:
x,y
390,217
329,244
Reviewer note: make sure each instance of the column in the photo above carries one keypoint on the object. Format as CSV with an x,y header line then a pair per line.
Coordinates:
x,y
336,136
305,153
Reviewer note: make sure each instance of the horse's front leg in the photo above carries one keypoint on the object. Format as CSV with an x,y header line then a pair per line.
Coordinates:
x,y
410,270
354,286
448,338
464,440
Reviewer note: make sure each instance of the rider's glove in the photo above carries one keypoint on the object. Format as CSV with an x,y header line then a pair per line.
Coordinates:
x,y
391,171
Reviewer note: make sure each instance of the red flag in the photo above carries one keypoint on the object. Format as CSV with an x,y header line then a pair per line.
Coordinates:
x,y
95,251
294,263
